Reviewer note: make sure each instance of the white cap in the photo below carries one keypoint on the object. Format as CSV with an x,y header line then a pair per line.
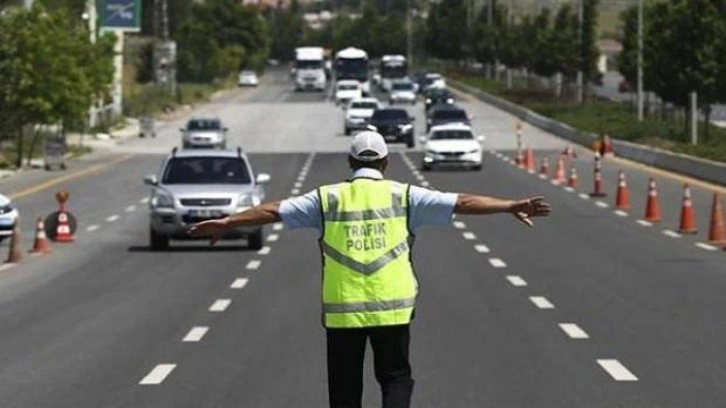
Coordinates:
x,y
368,146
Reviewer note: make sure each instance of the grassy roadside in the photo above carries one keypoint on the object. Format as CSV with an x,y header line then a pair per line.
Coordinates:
x,y
607,117
150,99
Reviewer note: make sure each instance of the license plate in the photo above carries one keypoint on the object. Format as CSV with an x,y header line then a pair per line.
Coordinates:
x,y
6,222
205,213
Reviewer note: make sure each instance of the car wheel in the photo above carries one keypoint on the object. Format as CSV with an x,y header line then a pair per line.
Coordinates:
x,y
410,142
158,242
477,167
254,240
425,167
347,131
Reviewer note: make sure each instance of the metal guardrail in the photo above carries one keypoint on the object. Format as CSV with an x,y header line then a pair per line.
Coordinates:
x,y
703,169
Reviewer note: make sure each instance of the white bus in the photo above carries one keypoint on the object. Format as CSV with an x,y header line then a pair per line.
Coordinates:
x,y
310,69
392,68
352,63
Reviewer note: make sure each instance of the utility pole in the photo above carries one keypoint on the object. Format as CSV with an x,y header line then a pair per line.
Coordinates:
x,y
640,61
409,34
580,18
510,24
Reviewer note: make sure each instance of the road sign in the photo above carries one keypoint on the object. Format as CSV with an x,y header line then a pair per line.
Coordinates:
x,y
123,15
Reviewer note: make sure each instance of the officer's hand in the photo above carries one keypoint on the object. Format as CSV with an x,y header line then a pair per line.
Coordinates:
x,y
524,210
214,229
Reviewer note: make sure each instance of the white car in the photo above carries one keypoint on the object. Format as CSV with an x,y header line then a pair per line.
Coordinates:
x,y
347,90
402,92
247,78
358,112
8,217
434,81
452,144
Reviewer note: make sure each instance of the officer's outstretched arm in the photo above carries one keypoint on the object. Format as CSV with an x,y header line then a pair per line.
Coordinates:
x,y
523,210
265,213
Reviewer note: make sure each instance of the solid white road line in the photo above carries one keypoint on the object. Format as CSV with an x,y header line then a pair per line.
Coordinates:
x,y
264,251
459,225
573,331
7,266
482,249
298,184
541,302
131,208
497,263
620,213
601,204
705,246
617,370
253,264
469,235
158,374
272,237
569,189
144,200
584,196
420,178
671,234
112,218
239,283
278,227
220,305
195,334
92,228
644,223
516,280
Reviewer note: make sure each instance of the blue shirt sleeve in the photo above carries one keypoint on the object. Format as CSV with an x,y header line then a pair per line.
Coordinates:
x,y
429,207
302,211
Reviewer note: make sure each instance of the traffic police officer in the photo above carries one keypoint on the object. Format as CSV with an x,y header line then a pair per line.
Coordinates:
x,y
369,286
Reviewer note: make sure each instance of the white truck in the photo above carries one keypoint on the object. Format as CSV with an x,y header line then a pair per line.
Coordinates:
x,y
310,69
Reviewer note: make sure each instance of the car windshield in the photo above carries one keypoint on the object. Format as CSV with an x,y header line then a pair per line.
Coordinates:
x,y
248,73
204,124
347,87
206,170
439,94
363,105
450,114
403,87
387,114
309,64
452,135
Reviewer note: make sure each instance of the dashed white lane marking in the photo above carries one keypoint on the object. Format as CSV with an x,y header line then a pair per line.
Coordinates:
x,y
573,331
420,178
425,183
516,280
620,213
569,189
278,227
158,374
253,264
144,200
482,249
92,228
541,302
705,246
644,223
220,305
542,176
531,172
264,251
298,184
584,196
195,334
239,283
671,234
459,225
469,235
7,266
295,191
616,370
273,237
112,218
131,208
497,263
601,204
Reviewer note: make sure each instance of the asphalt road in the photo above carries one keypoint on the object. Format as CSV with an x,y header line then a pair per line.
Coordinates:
x,y
588,309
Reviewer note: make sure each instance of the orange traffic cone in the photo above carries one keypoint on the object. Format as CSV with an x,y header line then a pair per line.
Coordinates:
x,y
40,244
652,205
14,253
597,190
607,146
622,198
529,162
569,152
572,181
716,234
63,231
688,218
560,171
545,168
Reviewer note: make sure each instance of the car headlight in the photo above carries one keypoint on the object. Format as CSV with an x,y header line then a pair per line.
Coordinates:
x,y
428,100
450,100
162,199
247,200
7,208
473,151
431,152
405,128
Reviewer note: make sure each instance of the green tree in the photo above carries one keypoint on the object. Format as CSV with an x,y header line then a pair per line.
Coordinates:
x,y
447,32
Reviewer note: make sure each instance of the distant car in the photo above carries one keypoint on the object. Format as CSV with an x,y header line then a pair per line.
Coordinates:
x,y
419,78
247,78
204,132
8,217
402,91
435,96
452,145
347,90
359,112
394,124
444,113
433,80
199,185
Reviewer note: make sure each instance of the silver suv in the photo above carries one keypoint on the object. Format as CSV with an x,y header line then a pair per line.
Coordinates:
x,y
204,133
198,185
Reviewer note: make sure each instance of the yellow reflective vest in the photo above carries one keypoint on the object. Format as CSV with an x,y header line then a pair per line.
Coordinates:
x,y
368,278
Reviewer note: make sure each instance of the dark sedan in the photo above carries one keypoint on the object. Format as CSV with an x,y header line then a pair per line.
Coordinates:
x,y
394,125
445,113
436,96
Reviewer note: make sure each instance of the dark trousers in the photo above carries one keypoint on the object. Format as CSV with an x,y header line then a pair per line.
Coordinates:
x,y
346,350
